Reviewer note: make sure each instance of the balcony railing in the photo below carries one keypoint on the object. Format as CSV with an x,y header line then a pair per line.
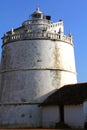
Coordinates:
x,y
39,21
34,35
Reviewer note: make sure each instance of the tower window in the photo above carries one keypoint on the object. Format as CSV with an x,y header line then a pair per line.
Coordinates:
x,y
37,16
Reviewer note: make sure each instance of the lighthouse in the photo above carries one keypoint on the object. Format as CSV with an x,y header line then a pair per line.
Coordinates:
x,y
37,59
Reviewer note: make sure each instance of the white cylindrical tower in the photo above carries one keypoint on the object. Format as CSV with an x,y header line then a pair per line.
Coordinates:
x,y
37,59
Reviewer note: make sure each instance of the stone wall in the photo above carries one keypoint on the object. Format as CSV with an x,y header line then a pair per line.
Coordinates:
x,y
20,116
33,69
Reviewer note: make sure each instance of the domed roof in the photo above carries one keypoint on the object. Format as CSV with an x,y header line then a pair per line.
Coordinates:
x,y
37,11
37,15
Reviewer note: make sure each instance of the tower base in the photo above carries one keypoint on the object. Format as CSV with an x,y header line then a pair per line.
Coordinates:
x,y
20,116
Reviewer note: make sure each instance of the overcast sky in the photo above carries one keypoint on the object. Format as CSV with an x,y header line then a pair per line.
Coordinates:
x,y
73,12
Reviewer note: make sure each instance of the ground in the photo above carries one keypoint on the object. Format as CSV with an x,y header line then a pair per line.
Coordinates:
x,y
42,129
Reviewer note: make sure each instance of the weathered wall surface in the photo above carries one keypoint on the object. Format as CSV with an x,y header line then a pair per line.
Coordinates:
x,y
50,116
31,85
27,86
20,116
33,69
38,54
74,116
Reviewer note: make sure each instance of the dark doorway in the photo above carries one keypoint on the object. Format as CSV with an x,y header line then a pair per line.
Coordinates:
x,y
61,113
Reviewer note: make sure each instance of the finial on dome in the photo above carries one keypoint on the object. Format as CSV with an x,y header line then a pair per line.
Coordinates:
x,y
37,9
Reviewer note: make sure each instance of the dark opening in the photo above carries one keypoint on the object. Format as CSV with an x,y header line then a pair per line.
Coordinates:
x,y
61,113
37,16
85,125
48,17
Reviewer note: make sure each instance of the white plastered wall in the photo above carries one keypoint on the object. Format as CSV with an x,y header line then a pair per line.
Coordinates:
x,y
74,116
50,116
